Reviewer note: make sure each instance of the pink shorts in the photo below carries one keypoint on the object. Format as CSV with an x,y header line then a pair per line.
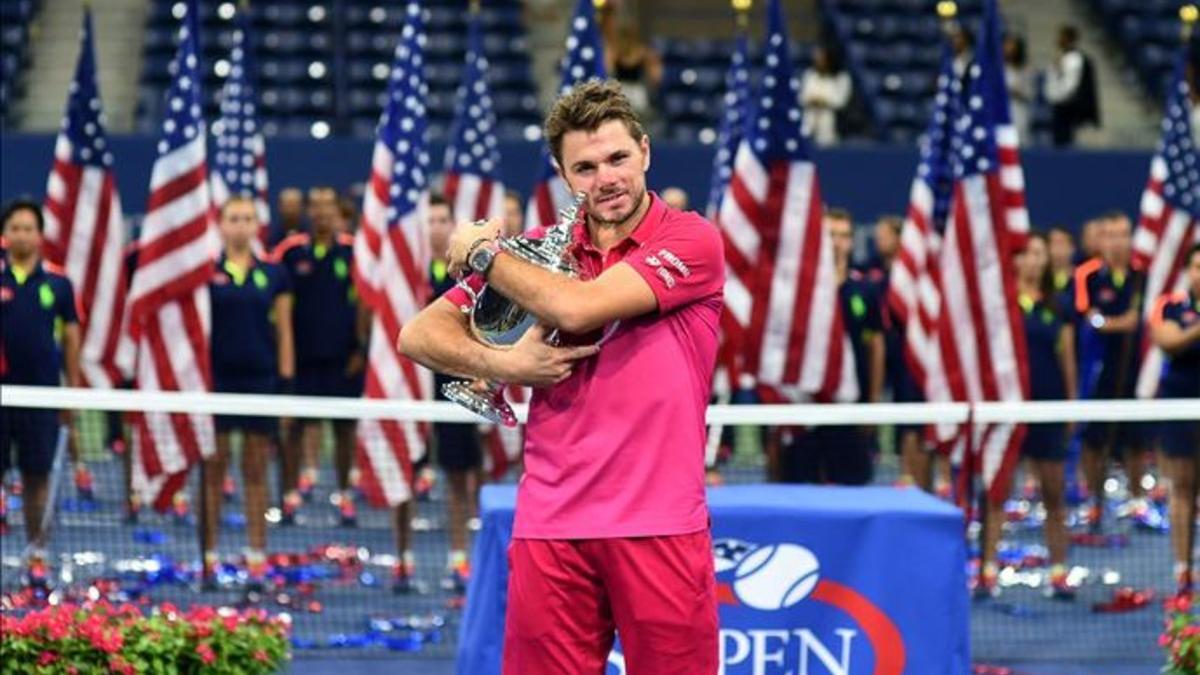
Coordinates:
x,y
565,598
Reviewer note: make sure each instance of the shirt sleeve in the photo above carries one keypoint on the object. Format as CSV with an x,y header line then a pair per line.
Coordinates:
x,y
283,280
459,297
68,311
683,265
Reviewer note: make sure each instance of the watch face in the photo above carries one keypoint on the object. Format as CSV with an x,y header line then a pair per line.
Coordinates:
x,y
480,260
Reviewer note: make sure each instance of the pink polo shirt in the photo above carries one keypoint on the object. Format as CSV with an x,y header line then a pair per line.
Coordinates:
x,y
617,449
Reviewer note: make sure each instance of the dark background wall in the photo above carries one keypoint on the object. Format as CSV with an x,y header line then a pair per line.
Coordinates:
x,y
1063,186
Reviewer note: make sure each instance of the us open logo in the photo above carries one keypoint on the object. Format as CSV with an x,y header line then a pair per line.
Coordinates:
x,y
780,615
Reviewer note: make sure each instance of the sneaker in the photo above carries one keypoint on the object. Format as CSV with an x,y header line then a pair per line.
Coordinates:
x,y
403,582
456,579
1059,588
306,483
1095,518
180,508
291,505
84,483
347,512
986,586
424,484
228,489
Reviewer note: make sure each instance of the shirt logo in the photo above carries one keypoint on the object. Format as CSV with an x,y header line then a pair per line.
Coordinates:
x,y
340,270
653,261
675,262
666,277
220,279
6,294
46,296
1107,295
260,279
304,267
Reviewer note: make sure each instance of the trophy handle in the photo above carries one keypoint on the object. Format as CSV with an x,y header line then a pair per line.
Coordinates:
x,y
489,404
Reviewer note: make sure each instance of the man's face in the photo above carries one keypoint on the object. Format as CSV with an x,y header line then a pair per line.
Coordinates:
x,y
441,225
322,210
291,205
610,167
1062,249
1117,240
21,233
1090,238
842,234
1193,273
514,220
886,241
675,198
239,224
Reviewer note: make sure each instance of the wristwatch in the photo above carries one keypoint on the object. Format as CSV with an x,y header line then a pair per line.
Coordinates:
x,y
1098,321
482,255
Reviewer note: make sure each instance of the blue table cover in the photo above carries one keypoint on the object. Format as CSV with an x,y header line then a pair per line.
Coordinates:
x,y
811,581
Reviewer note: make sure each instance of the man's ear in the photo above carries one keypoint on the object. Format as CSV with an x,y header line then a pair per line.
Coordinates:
x,y
645,152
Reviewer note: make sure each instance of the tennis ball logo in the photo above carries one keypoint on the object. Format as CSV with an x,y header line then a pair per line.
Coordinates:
x,y
776,576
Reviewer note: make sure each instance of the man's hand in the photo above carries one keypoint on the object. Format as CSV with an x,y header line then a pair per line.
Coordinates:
x,y
464,238
355,364
534,363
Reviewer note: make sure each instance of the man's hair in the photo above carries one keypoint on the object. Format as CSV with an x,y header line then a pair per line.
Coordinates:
x,y
1070,32
438,199
238,199
838,213
1192,253
24,204
585,107
513,195
891,221
1115,214
322,189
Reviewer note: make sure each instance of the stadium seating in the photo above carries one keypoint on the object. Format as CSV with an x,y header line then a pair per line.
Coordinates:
x,y
328,61
1149,33
15,18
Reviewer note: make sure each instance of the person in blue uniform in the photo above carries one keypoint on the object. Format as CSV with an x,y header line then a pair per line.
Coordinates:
x,y
1050,350
251,353
1109,299
39,342
845,455
1175,328
330,346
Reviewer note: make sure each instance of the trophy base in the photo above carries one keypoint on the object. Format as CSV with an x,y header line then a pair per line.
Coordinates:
x,y
489,405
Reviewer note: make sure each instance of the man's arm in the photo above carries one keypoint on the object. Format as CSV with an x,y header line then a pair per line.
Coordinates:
x,y
572,305
877,358
71,341
286,344
439,338
1169,335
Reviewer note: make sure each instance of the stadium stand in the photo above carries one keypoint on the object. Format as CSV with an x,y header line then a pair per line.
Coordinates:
x,y
1148,31
15,20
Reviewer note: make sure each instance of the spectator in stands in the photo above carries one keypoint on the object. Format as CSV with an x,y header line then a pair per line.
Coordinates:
x,y
1175,328
824,91
289,215
635,64
1019,81
1108,298
1070,87
1050,350
331,346
457,447
676,198
39,343
839,454
963,43
252,353
514,214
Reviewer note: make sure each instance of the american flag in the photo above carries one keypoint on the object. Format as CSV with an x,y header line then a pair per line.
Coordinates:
x,y
1170,215
980,325
781,288
914,287
85,228
475,192
583,61
168,297
472,167
240,165
733,120
391,257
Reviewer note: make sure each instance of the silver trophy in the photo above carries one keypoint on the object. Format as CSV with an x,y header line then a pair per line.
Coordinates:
x,y
499,322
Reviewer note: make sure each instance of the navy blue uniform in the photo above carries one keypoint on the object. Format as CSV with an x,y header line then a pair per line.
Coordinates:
x,y
899,378
324,314
843,454
244,351
458,447
1181,374
35,309
1043,330
1111,293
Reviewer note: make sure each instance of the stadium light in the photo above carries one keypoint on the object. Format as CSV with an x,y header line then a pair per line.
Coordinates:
x,y
741,5
179,10
316,70
377,15
1189,13
221,68
947,9
316,13
320,129
226,11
